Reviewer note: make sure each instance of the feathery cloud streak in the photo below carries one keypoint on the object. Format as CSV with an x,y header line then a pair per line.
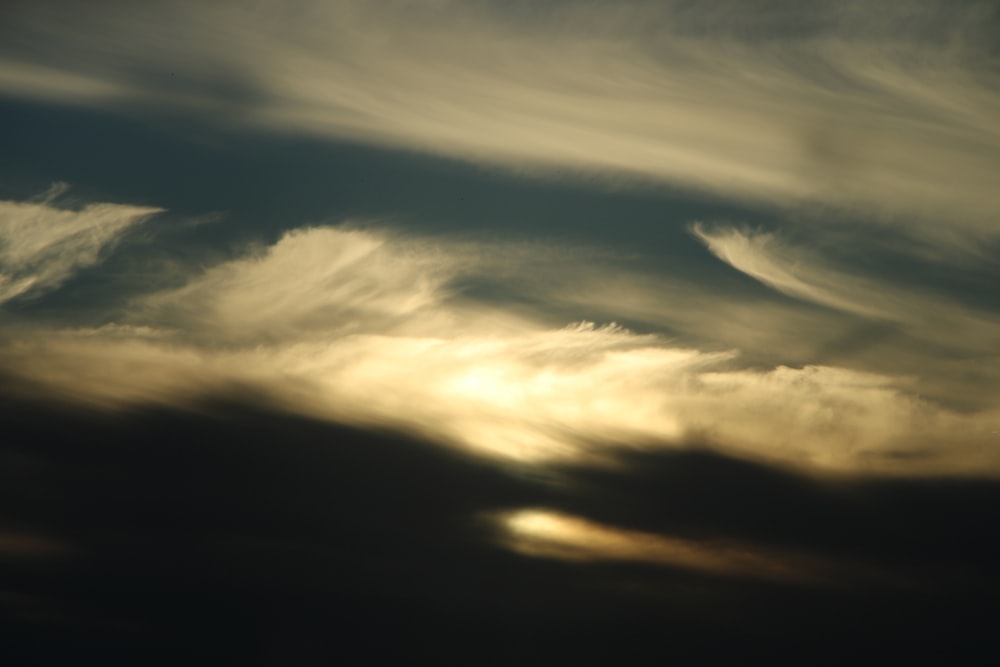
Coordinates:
x,y
803,274
891,112
42,246
549,534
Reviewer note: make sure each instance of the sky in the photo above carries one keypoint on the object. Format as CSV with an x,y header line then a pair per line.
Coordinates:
x,y
451,332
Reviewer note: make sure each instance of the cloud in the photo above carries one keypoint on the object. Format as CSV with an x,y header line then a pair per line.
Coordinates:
x,y
892,113
313,281
368,328
945,347
800,272
42,246
288,527
33,546
548,534
803,274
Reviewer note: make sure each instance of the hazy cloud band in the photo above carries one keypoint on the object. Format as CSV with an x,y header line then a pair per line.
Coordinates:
x,y
890,112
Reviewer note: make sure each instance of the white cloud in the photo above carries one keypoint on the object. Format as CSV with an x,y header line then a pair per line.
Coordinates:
x,y
803,274
361,327
42,246
891,111
947,350
325,280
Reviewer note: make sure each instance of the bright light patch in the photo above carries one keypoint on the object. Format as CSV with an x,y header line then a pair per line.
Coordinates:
x,y
362,327
548,534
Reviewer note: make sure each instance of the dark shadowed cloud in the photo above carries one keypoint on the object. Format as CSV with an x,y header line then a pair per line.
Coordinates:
x,y
243,534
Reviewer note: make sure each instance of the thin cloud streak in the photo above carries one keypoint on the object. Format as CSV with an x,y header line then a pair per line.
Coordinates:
x,y
42,245
550,534
890,113
803,274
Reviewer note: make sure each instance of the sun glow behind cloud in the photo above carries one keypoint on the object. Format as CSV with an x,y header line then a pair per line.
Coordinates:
x,y
549,534
367,327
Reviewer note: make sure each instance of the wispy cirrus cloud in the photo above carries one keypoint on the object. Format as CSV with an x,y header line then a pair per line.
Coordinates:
x,y
947,348
345,281
892,112
43,245
805,274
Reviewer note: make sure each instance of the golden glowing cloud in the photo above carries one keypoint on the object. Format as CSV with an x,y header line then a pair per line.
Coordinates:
x,y
362,327
547,534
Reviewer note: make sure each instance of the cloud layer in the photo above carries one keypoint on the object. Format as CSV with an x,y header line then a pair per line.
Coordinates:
x,y
365,327
891,113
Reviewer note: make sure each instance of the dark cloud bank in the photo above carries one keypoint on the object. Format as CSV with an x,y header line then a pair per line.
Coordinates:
x,y
240,536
